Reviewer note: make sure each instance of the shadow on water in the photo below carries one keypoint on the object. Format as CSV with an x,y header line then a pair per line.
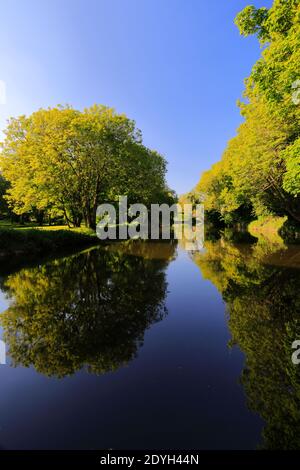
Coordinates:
x,y
260,284
88,310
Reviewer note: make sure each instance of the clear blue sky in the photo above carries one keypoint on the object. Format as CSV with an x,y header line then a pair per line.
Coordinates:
x,y
174,66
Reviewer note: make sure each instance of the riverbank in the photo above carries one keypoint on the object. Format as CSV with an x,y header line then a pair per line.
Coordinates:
x,y
268,227
19,241
275,228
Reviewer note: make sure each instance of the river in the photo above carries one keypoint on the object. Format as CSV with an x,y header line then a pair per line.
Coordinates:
x,y
149,346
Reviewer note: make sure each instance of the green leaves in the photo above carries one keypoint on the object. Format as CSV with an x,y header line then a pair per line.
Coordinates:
x,y
67,162
260,167
291,182
252,21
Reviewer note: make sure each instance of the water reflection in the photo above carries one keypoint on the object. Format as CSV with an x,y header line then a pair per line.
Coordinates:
x,y
88,310
262,294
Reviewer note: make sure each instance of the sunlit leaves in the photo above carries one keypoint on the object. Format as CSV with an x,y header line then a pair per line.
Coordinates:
x,y
260,167
64,161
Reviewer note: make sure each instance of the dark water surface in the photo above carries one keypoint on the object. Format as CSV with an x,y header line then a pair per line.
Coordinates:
x,y
150,346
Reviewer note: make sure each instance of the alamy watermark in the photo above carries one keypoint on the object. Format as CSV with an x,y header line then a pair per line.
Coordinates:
x,y
296,354
161,221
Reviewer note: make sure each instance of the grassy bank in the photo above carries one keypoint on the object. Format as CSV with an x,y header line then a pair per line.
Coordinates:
x,y
267,226
33,241
276,229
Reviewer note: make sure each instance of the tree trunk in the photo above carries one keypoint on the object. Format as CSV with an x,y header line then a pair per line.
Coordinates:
x,y
91,219
39,215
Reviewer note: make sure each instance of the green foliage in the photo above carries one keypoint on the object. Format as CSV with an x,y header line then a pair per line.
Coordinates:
x,y
260,167
267,226
61,161
252,20
291,181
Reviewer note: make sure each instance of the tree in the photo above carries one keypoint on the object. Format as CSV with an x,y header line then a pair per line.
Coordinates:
x,y
64,161
252,21
259,169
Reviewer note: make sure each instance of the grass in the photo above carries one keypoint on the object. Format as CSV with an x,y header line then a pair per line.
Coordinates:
x,y
268,227
20,240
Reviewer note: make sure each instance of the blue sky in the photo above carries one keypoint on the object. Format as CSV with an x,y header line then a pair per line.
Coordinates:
x,y
174,66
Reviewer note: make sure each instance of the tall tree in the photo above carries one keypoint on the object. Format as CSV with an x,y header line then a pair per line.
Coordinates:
x,y
65,161
260,167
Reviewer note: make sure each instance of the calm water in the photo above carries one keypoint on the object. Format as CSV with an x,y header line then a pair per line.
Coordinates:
x,y
149,346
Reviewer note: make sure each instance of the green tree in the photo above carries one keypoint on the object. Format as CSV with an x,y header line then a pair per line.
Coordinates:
x,y
63,161
259,169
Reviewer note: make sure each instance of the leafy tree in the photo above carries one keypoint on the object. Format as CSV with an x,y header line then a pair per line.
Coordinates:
x,y
259,169
291,181
252,21
63,161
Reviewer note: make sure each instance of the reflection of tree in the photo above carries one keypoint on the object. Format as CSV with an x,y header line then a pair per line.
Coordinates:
x,y
164,250
263,304
89,310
